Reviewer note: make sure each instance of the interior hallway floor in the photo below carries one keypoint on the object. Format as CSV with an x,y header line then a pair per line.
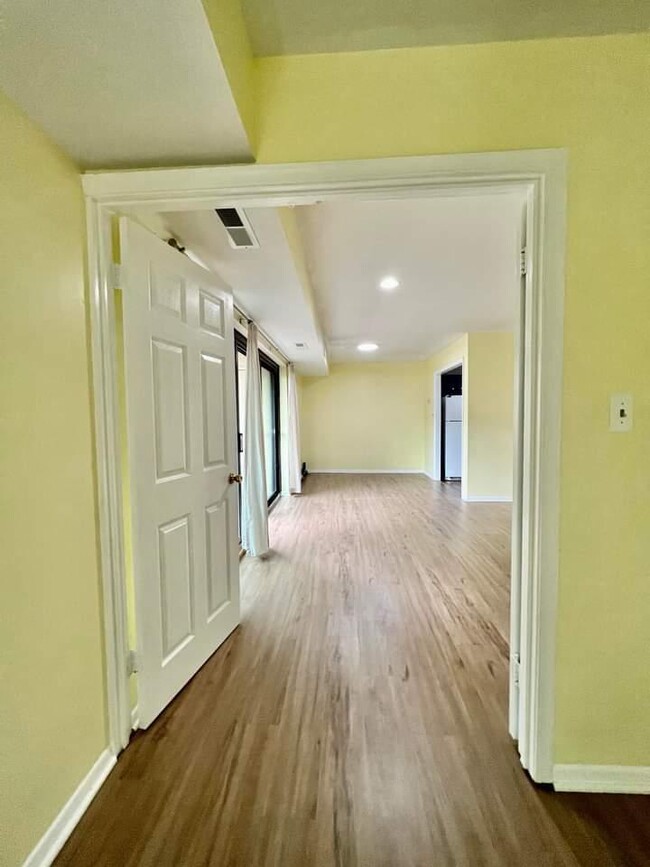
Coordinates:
x,y
359,714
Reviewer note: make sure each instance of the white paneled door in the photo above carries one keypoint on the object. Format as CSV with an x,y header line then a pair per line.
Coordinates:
x,y
180,396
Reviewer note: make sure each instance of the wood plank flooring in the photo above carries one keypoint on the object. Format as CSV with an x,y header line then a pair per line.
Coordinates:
x,y
357,718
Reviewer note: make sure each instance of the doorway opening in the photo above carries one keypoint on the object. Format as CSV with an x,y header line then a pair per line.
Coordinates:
x,y
541,178
451,425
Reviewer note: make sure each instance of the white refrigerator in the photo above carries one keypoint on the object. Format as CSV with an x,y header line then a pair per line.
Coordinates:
x,y
453,436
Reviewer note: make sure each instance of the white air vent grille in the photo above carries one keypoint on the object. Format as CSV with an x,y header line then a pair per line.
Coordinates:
x,y
239,230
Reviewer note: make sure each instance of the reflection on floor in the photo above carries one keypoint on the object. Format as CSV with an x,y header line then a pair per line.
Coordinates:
x,y
358,715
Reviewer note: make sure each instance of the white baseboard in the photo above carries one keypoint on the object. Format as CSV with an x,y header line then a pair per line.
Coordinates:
x,y
135,718
470,498
56,835
368,472
621,779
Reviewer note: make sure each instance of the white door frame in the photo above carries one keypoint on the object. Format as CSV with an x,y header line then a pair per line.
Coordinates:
x,y
542,173
521,418
436,473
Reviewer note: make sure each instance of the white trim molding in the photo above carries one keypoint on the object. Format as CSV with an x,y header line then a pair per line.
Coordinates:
x,y
276,184
614,779
368,472
471,498
541,174
56,835
101,270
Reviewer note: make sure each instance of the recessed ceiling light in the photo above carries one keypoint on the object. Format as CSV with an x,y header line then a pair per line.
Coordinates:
x,y
367,347
388,283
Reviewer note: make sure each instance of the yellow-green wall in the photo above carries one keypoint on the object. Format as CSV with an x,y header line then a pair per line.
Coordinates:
x,y
364,416
52,719
590,96
489,385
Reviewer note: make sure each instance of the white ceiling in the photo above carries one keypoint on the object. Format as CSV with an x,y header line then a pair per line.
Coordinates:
x,y
457,260
310,26
121,82
265,282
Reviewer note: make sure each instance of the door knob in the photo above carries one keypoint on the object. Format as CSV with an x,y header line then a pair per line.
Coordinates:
x,y
234,477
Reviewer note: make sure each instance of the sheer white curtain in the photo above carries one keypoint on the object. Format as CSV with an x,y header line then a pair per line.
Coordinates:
x,y
255,527
295,464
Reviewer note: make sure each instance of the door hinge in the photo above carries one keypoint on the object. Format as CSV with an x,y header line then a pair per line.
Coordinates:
x,y
523,262
132,662
516,667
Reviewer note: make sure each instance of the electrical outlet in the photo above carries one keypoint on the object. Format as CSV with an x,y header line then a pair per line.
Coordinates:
x,y
620,412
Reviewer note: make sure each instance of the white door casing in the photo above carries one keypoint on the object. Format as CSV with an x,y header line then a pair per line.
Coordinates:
x,y
516,696
179,372
542,174
527,496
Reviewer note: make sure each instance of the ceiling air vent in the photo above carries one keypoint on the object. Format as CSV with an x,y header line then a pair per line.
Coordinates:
x,y
240,232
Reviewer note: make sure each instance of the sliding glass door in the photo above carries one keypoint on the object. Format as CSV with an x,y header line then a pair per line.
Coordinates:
x,y
270,413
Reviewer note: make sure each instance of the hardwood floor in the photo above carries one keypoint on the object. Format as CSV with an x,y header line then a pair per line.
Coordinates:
x,y
357,718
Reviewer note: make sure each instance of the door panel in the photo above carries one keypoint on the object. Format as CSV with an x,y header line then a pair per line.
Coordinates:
x,y
217,532
178,340
167,292
212,393
212,315
170,408
175,570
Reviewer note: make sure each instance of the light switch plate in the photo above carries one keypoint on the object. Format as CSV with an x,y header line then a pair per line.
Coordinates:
x,y
620,412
